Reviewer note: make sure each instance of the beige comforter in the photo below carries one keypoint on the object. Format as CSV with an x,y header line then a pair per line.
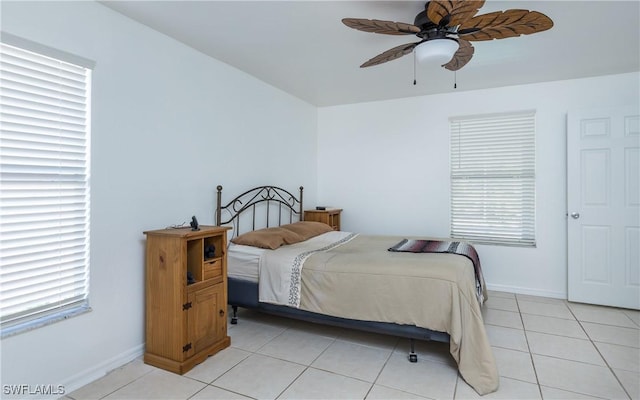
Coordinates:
x,y
361,280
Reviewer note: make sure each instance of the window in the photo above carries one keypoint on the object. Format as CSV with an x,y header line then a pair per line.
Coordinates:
x,y
44,187
493,178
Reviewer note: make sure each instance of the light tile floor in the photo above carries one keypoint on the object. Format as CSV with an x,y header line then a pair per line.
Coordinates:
x,y
545,349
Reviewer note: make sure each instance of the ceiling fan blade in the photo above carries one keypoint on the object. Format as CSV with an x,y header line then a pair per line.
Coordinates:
x,y
378,26
452,12
391,54
504,24
461,57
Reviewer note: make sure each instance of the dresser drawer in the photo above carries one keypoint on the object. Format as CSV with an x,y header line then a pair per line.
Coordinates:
x,y
212,269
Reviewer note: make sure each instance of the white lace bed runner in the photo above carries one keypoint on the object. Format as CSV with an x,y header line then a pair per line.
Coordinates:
x,y
280,270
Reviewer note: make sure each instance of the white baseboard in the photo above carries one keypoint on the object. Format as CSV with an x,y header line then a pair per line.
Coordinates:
x,y
79,380
529,291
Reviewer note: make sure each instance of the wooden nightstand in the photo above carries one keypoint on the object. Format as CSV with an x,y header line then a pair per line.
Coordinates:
x,y
186,296
330,216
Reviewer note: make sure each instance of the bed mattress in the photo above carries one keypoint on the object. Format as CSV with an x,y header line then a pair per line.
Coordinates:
x,y
360,279
243,262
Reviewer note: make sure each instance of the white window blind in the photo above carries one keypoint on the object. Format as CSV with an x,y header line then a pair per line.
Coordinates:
x,y
44,191
493,178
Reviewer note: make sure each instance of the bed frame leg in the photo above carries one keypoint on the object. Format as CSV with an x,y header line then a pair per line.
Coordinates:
x,y
234,317
413,357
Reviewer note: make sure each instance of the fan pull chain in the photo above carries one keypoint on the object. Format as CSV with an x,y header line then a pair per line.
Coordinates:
x,y
414,68
455,79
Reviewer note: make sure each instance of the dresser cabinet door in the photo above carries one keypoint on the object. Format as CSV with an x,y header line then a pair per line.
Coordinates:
x,y
206,319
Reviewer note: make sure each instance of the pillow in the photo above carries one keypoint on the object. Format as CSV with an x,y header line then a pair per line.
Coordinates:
x,y
268,238
308,229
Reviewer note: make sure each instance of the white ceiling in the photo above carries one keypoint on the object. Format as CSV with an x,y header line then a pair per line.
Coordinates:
x,y
303,48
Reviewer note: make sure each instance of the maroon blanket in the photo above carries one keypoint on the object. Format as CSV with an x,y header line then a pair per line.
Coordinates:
x,y
438,246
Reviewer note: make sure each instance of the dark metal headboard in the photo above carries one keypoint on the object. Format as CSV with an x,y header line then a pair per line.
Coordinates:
x,y
271,197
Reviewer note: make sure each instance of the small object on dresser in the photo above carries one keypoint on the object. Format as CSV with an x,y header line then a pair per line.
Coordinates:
x,y
209,252
321,208
194,224
190,278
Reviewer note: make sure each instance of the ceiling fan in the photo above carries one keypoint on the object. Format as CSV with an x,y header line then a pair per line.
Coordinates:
x,y
448,26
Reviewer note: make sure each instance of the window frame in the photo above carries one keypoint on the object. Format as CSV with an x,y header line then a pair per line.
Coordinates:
x,y
18,103
493,179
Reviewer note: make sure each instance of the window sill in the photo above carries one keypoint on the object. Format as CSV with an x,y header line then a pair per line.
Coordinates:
x,y
26,326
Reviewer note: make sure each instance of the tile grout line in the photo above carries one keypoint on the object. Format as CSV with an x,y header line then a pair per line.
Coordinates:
x,y
307,367
255,353
225,372
526,338
624,389
125,385
382,369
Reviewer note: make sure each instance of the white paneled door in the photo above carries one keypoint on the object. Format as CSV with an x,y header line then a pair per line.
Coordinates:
x,y
603,200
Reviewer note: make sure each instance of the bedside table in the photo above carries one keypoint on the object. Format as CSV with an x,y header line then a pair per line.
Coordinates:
x,y
330,216
186,296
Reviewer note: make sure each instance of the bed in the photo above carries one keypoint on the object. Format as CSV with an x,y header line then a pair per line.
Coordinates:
x,y
282,265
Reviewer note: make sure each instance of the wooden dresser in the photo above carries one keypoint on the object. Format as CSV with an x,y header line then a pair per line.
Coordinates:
x,y
186,296
330,216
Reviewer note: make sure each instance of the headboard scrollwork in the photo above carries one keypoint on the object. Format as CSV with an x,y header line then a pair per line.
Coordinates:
x,y
272,202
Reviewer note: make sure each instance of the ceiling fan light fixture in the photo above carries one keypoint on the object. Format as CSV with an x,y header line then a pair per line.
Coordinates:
x,y
436,50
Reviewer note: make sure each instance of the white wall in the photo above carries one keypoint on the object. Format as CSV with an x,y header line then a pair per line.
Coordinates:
x,y
387,165
169,124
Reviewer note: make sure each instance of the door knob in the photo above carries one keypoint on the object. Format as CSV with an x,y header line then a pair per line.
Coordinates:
x,y
575,215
